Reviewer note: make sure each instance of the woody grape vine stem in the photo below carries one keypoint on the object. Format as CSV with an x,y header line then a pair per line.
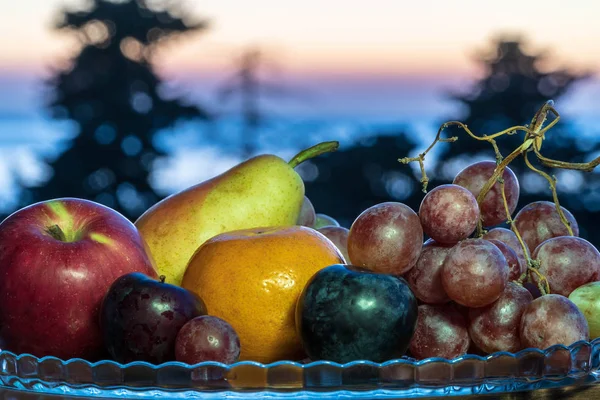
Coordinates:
x,y
534,136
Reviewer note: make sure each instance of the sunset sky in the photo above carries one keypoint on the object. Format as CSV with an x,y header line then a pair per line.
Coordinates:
x,y
358,62
402,54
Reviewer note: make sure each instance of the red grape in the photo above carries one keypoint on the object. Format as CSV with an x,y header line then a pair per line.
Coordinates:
x,y
449,213
552,319
515,269
475,176
307,215
424,278
510,238
441,332
207,338
386,238
496,327
339,236
539,221
475,273
567,262
533,289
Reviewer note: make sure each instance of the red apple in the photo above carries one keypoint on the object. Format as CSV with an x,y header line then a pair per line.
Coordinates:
x,y
57,260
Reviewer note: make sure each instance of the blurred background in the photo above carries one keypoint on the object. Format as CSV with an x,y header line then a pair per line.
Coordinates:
x,y
127,101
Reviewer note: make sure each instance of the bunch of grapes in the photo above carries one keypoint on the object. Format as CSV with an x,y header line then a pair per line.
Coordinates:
x,y
483,288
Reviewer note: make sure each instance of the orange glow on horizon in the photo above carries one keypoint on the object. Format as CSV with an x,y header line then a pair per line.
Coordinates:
x,y
335,38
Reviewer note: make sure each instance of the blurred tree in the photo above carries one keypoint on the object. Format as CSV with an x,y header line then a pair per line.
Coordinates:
x,y
514,86
247,84
512,89
112,92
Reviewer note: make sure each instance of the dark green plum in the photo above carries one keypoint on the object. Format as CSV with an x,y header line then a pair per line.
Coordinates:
x,y
347,313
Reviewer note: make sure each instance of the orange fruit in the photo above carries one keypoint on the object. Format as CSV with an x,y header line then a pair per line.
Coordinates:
x,y
252,279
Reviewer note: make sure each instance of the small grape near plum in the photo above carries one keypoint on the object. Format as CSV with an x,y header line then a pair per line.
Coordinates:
x,y
496,326
441,332
475,273
207,338
552,319
425,278
539,221
449,213
476,175
567,262
386,238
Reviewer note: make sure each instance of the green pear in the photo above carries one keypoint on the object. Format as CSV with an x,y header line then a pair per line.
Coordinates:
x,y
262,191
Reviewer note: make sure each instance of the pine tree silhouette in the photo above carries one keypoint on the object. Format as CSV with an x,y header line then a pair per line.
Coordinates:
x,y
513,88
112,92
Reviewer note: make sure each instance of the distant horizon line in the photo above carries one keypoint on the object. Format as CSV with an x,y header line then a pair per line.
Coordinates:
x,y
191,72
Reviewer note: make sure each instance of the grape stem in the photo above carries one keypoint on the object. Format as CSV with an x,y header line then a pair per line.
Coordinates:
x,y
534,137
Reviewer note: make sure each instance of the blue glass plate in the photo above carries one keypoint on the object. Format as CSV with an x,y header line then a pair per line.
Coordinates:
x,y
402,378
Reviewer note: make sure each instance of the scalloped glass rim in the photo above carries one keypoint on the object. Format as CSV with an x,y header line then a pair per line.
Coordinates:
x,y
500,372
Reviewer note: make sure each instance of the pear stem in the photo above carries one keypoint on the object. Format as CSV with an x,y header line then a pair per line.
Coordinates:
x,y
162,278
318,149
57,233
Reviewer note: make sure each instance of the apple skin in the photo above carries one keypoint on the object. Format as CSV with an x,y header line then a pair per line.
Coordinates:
x,y
347,313
140,318
51,287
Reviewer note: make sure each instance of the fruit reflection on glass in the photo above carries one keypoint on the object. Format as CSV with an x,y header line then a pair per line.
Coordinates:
x,y
262,191
57,260
252,278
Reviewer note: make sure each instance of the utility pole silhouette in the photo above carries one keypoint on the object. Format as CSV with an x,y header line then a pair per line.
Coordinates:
x,y
247,84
